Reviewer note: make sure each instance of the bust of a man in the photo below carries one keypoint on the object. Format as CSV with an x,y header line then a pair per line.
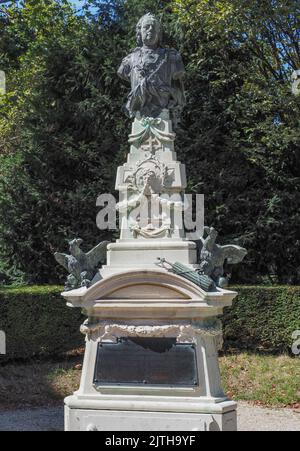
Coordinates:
x,y
155,73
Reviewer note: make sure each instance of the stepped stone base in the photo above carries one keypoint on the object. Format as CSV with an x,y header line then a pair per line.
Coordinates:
x,y
110,420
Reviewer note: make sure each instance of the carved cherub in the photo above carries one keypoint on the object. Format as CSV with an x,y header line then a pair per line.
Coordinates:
x,y
82,267
212,257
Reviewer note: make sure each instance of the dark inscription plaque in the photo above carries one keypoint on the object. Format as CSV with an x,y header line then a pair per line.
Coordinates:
x,y
146,361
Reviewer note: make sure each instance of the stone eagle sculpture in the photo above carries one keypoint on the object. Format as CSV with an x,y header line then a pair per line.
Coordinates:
x,y
212,257
82,267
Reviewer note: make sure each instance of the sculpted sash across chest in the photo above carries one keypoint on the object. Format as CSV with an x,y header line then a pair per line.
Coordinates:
x,y
147,63
156,81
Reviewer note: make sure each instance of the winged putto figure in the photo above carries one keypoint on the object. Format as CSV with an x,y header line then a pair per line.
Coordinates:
x,y
213,257
82,267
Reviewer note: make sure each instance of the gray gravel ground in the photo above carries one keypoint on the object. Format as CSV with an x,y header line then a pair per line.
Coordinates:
x,y
250,419
32,420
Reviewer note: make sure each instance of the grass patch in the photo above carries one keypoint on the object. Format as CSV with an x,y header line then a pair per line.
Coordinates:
x,y
272,381
38,383
266,380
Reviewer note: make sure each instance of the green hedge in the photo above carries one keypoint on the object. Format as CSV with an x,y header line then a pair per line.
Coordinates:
x,y
262,318
37,321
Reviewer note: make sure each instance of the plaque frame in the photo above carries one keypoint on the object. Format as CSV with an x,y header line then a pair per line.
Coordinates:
x,y
192,384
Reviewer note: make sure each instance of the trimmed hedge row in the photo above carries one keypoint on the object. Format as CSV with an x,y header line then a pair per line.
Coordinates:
x,y
37,322
262,318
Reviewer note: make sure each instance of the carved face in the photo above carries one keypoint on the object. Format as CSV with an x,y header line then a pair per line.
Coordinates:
x,y
149,177
150,31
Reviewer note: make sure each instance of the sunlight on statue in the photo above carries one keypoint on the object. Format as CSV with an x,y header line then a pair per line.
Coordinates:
x,y
156,74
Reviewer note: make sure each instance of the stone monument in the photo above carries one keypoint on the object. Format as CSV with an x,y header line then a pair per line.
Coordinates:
x,y
152,333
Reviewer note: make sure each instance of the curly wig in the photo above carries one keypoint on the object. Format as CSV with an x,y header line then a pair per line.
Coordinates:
x,y
139,29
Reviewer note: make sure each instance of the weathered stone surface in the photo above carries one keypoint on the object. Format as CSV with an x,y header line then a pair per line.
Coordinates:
x,y
151,304
212,257
155,73
136,301
82,267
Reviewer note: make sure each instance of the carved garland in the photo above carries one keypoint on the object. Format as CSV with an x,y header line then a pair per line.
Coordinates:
x,y
150,129
184,333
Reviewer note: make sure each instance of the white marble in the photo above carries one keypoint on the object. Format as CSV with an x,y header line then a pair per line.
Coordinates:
x,y
136,298
151,303
95,420
151,185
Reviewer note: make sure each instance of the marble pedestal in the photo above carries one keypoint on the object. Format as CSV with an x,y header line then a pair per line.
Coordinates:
x,y
144,254
151,304
135,301
151,186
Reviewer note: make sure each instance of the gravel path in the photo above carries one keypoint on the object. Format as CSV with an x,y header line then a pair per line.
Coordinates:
x,y
250,419
38,420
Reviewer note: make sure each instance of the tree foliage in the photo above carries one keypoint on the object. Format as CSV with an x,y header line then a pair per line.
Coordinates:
x,y
243,126
63,134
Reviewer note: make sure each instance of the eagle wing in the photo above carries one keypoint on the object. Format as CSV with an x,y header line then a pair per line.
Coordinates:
x,y
97,255
234,254
62,259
